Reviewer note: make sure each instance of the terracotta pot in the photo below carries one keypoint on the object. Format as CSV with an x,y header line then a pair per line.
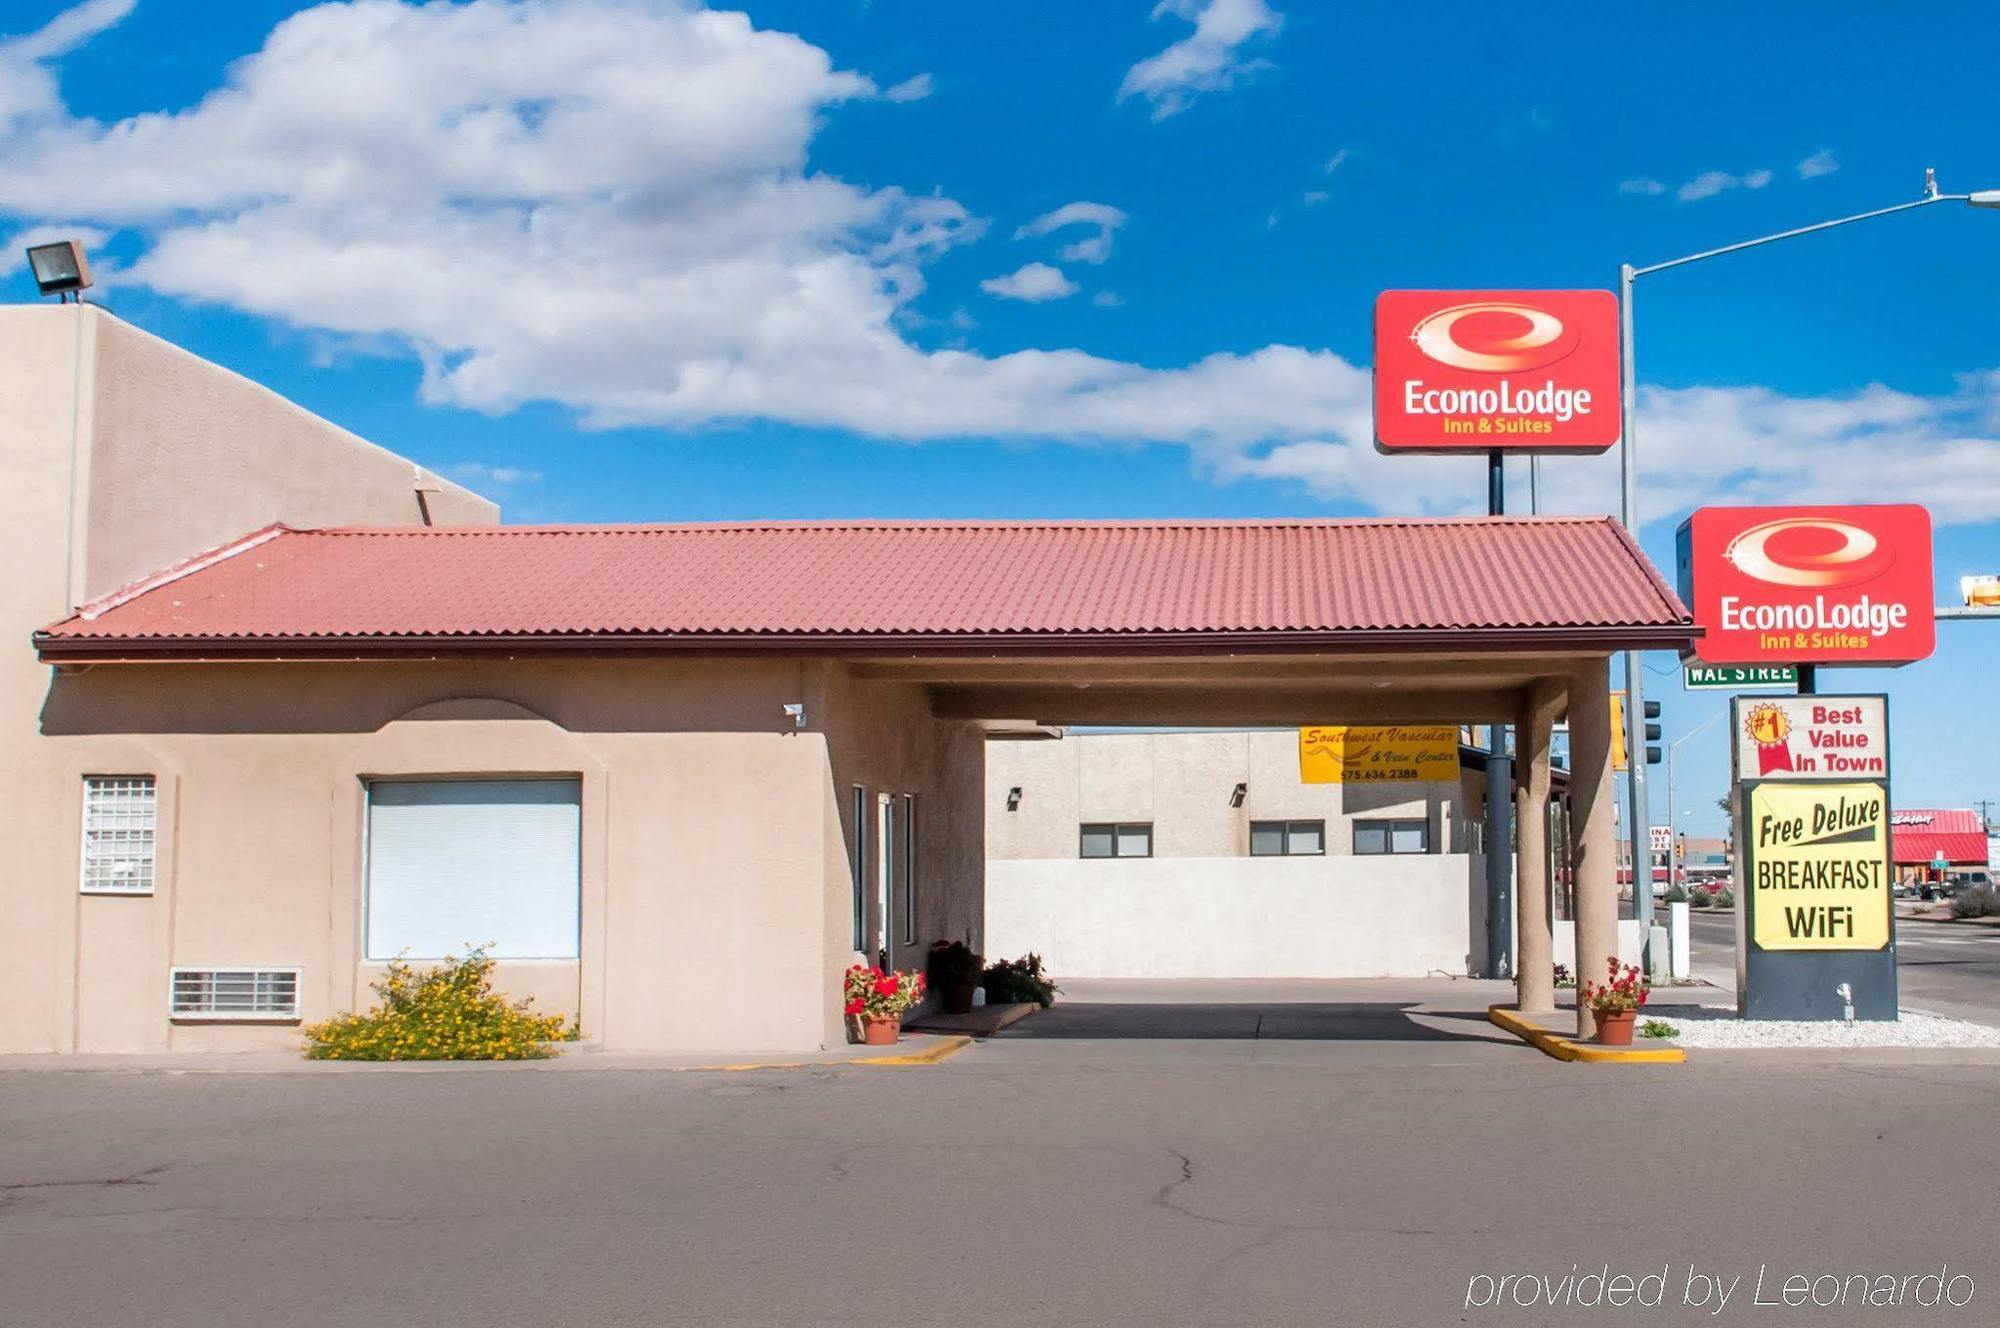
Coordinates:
x,y
1614,1027
882,1030
958,997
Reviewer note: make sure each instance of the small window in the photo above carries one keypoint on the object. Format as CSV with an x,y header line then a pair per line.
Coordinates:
x,y
1377,837
1287,839
118,819
1131,839
235,993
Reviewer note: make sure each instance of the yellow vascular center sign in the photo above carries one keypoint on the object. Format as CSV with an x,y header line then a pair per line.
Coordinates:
x,y
1353,754
1819,866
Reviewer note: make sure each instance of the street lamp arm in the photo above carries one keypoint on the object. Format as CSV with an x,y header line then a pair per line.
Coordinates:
x,y
1801,230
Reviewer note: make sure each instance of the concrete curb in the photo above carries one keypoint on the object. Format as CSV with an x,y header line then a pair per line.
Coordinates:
x,y
944,1049
1564,1049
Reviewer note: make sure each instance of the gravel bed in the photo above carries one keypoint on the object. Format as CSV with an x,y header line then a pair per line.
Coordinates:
x,y
1718,1026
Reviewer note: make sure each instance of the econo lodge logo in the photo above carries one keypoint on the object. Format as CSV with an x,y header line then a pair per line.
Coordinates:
x,y
1809,585
1533,371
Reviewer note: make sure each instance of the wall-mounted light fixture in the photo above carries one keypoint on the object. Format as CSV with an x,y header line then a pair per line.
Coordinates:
x,y
60,268
796,711
1236,795
1013,797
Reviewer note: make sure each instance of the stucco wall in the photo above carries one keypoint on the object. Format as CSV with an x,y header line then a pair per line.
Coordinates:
x,y
712,845
123,454
1330,917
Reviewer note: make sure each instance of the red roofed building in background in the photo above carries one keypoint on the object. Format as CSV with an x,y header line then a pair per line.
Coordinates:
x,y
1924,837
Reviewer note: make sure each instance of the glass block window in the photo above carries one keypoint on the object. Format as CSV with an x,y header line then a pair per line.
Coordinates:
x,y
119,813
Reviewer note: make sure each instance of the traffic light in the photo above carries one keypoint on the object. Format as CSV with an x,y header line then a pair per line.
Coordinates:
x,y
1652,732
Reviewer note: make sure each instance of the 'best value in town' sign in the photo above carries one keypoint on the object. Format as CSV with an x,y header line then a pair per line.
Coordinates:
x,y
1809,585
1811,806
1484,371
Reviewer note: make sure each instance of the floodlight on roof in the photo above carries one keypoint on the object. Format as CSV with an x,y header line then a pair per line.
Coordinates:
x,y
60,268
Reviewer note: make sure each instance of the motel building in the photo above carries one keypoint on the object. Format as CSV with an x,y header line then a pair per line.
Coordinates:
x,y
282,706
1938,844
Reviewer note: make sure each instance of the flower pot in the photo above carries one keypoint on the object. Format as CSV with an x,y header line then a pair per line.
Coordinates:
x,y
958,997
882,1030
1614,1027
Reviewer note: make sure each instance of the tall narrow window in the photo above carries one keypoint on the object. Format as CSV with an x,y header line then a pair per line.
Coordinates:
x,y
885,857
909,881
118,821
860,866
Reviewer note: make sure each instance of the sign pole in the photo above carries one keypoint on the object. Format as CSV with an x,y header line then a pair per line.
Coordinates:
x,y
1499,793
1640,819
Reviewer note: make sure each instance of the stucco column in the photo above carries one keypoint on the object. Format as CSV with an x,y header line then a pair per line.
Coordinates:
x,y
1534,981
1593,837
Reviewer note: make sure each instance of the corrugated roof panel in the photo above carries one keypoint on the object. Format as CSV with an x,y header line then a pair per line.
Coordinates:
x,y
870,578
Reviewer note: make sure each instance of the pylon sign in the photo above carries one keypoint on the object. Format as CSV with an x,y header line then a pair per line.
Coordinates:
x,y
1815,913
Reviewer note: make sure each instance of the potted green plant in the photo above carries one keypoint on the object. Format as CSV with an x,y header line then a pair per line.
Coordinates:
x,y
953,967
1015,981
878,999
1616,1001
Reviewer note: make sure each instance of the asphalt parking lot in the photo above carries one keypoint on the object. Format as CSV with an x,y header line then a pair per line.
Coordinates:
x,y
1061,1173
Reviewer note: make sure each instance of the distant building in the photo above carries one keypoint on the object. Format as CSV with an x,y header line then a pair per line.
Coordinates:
x,y
1134,855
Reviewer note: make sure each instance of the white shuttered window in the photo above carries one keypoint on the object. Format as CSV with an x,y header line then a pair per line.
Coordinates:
x,y
458,863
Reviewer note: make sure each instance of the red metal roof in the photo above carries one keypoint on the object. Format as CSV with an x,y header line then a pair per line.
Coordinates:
x,y
1917,837
1486,582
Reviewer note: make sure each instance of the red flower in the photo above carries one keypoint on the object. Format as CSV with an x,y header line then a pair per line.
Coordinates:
x,y
856,1005
887,985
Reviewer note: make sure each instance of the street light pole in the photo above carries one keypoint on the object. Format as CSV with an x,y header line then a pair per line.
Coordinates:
x,y
1639,813
1673,826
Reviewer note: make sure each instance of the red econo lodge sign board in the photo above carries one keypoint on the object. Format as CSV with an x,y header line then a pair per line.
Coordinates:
x,y
1483,371
1809,585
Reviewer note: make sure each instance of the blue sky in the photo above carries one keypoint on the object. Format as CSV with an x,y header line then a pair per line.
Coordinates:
x,y
627,261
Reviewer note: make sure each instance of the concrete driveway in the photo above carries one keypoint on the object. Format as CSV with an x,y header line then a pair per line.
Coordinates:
x,y
1039,1178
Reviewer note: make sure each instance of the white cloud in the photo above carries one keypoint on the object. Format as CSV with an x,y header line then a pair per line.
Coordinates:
x,y
1035,283
1092,248
1819,163
1334,162
910,89
1105,299
1700,445
27,88
607,205
1710,183
1313,197
1645,186
483,478
1209,59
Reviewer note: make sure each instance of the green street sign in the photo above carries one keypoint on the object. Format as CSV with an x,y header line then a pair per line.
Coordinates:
x,y
1739,677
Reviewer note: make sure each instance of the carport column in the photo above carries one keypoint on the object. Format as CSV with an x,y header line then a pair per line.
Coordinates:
x,y
1534,982
1594,838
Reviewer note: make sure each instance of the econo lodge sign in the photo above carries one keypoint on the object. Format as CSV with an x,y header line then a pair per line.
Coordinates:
x,y
1478,371
1809,585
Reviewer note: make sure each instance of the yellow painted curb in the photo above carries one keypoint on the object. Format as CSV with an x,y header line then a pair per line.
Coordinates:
x,y
1563,1049
946,1047
944,1050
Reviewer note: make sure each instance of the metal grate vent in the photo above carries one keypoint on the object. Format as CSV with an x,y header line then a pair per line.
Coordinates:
x,y
236,993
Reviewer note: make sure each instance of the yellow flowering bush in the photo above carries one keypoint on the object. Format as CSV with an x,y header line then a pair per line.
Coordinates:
x,y
446,1013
